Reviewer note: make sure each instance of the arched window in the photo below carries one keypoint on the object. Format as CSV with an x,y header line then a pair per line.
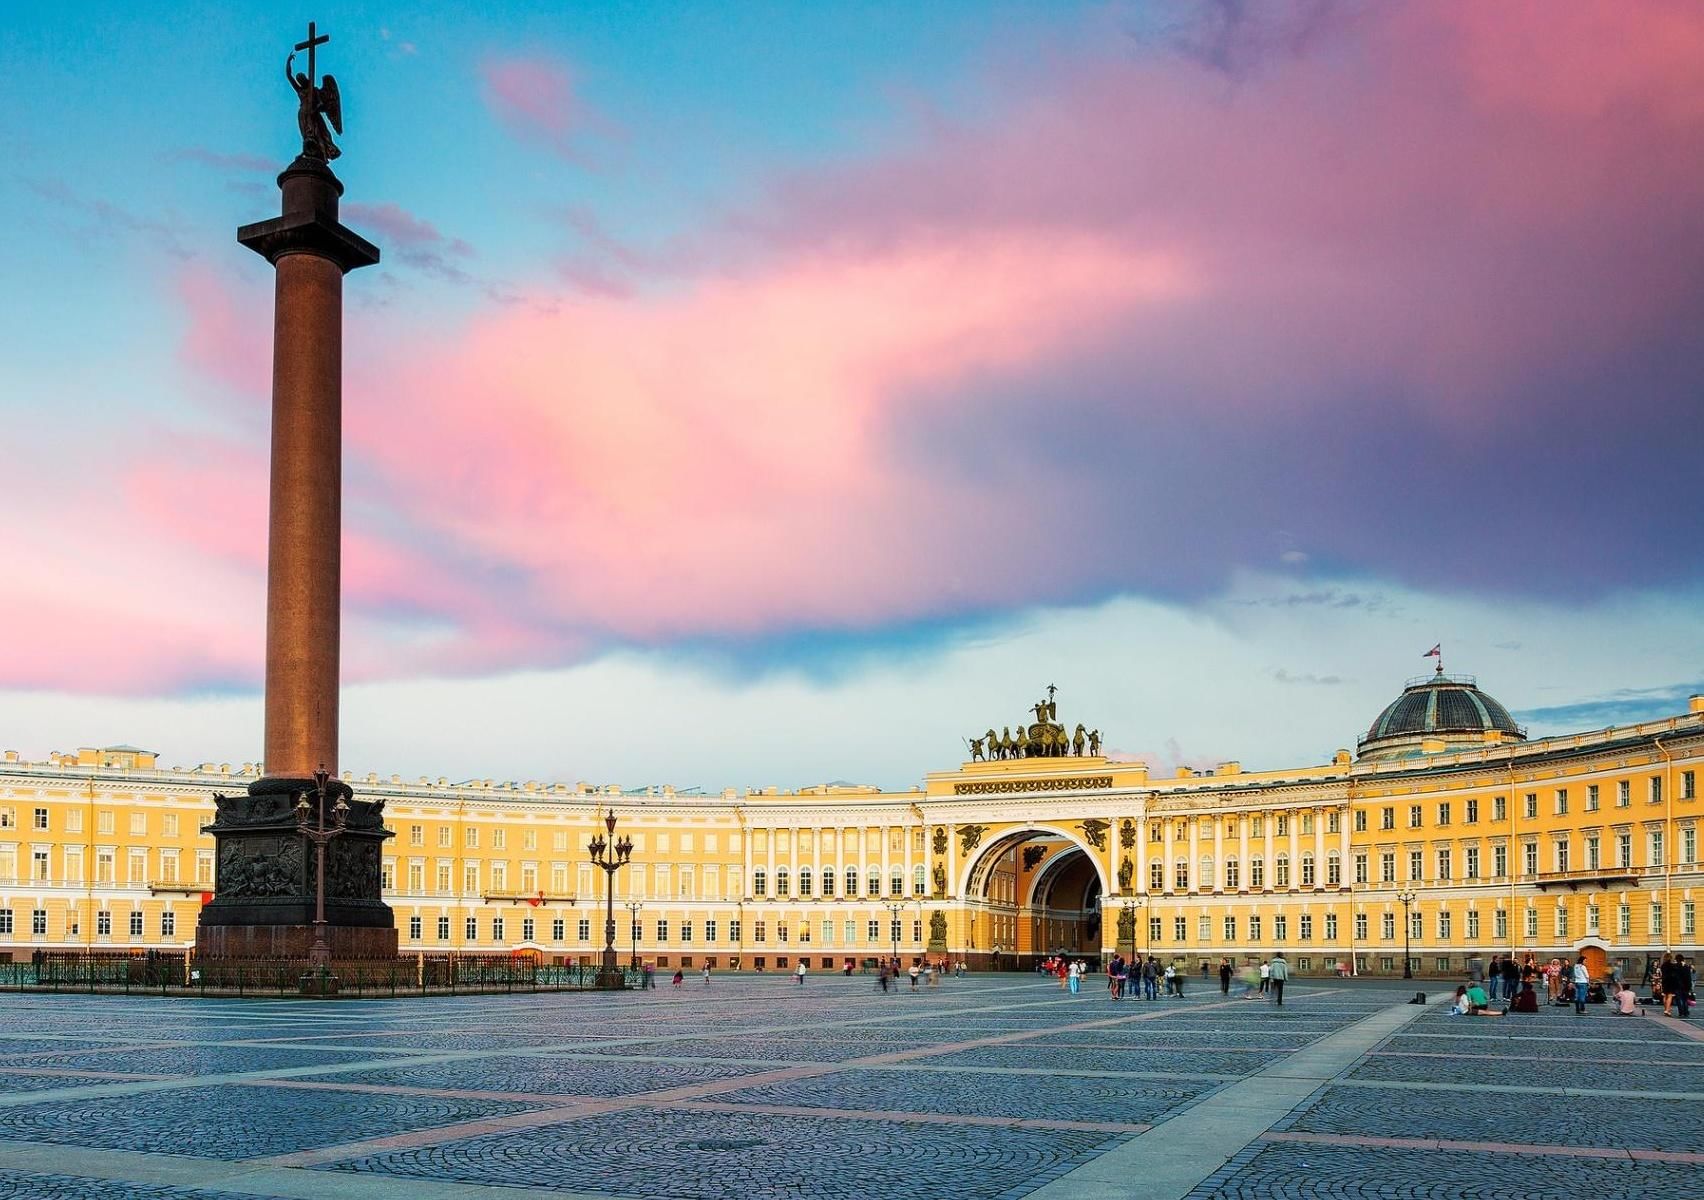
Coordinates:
x,y
1281,872
1206,879
1307,870
851,881
1257,873
805,881
1334,869
1156,876
1180,875
759,882
828,881
919,880
1233,873
782,882
873,878
896,883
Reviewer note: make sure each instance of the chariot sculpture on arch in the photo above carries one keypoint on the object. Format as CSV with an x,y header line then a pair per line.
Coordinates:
x,y
1046,737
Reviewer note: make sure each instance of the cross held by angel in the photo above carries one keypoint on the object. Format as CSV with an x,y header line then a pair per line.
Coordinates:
x,y
315,104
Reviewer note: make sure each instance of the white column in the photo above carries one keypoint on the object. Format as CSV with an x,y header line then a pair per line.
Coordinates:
x,y
1343,845
840,860
769,838
1242,850
1319,848
816,859
1166,875
910,837
793,858
1141,856
1195,852
952,859
1295,848
882,831
1218,853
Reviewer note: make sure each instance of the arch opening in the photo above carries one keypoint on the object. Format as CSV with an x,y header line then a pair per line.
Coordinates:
x,y
1029,894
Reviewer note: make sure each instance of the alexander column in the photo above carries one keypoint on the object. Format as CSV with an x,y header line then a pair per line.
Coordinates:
x,y
266,882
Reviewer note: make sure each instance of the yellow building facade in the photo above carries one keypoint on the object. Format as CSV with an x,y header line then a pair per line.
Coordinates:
x,y
1447,832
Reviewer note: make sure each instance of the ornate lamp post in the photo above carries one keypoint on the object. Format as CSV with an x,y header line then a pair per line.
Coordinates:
x,y
634,907
1128,907
321,835
1407,898
894,907
611,855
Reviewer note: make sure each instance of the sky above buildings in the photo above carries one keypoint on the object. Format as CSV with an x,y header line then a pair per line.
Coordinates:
x,y
773,393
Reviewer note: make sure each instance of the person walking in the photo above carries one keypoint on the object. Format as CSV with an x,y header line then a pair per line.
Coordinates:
x,y
1075,975
1150,979
1582,984
1511,977
1494,975
1685,977
1224,977
1668,979
1276,974
705,974
799,975
915,971
1265,976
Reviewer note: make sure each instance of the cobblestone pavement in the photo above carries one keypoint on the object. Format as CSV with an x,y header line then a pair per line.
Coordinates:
x,y
997,1086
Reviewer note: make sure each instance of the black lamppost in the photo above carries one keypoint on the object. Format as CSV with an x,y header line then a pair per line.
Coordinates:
x,y
611,855
894,907
1407,898
321,835
634,907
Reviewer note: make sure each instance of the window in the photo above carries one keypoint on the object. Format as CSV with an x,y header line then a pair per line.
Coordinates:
x,y
1416,865
1656,918
919,880
38,921
1387,867
1256,827
1624,849
1304,928
1307,823
1688,788
528,929
1360,927
583,930
710,929
1180,876
1360,868
497,929
1233,873
39,858
8,818
1529,805
807,884
1529,858
1154,832
1689,844
1500,925
5,921
1561,923
1470,861
1472,924
1360,820
828,881
1180,929
686,931
446,836
1307,870
1280,927
851,881
499,839
1591,797
1387,926
1206,876
1624,920
470,929
782,882
135,922
1444,865
1156,876
896,883
1499,808
1387,818
1281,871
1655,847
1154,928
1593,852
1623,793
41,820
759,882
1333,822
1499,861
873,930
1562,856
1473,812
1688,918
1257,872
1656,789
1254,927
414,929
1204,928
444,929
103,923
470,837
1532,922
1444,924
872,882
1444,812
1414,816
1281,825
1330,926
760,931
168,924
663,928
416,835
1230,929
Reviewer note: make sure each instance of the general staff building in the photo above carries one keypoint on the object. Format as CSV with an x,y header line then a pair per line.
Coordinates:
x,y
1447,833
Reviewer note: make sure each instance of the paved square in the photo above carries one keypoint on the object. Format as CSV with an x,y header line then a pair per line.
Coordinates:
x,y
991,1087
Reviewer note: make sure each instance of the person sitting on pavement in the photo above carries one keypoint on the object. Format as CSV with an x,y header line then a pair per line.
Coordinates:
x,y
1461,1005
1527,1001
1627,1001
1477,999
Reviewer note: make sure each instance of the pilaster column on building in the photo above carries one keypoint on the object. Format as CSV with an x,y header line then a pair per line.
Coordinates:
x,y
1295,849
769,848
1168,871
910,838
952,860
1242,851
1195,880
816,859
1141,855
1319,848
885,833
793,860
1344,822
1218,852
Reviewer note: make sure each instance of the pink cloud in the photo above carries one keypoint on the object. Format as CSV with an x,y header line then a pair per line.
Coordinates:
x,y
1112,335
534,97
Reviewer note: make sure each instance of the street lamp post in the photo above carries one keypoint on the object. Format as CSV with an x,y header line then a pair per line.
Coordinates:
x,y
611,855
634,907
894,908
1407,898
321,835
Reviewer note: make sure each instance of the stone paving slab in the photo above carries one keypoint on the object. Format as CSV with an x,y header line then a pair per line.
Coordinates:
x,y
1278,1171
1219,1062
733,1156
187,1060
545,1076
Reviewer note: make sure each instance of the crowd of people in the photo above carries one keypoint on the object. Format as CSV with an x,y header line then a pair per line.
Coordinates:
x,y
1518,982
1147,977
